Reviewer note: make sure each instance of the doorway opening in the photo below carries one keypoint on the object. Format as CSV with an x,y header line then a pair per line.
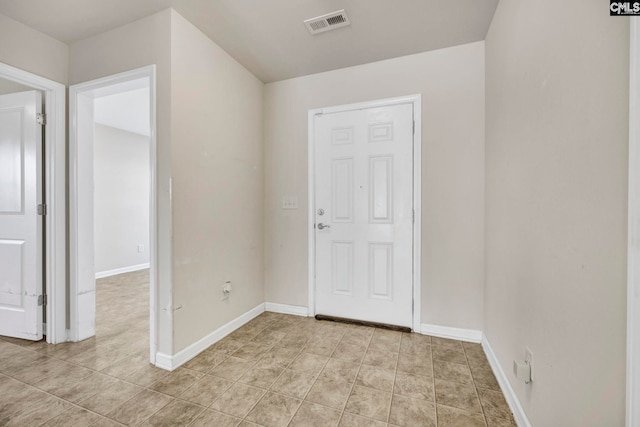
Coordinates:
x,y
112,218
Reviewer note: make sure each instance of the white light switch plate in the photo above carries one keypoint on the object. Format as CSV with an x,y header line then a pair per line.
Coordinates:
x,y
289,202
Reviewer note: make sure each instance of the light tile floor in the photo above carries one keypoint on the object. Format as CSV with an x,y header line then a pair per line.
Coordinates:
x,y
277,370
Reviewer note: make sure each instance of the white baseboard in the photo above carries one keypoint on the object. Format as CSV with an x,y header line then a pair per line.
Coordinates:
x,y
286,309
170,363
469,335
510,396
107,273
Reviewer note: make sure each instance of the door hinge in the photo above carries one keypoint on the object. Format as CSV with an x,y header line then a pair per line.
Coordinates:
x,y
42,299
42,209
414,127
41,118
413,216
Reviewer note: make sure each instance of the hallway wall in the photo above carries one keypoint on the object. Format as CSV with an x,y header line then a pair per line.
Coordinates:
x,y
556,206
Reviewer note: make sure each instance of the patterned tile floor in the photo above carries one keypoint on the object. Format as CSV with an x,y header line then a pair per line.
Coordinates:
x,y
277,370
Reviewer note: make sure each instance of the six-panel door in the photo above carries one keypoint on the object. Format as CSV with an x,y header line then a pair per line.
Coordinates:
x,y
364,201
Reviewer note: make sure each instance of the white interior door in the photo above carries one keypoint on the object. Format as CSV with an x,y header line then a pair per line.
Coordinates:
x,y
20,224
364,214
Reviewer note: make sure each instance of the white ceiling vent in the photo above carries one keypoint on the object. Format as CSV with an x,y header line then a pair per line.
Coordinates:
x,y
327,22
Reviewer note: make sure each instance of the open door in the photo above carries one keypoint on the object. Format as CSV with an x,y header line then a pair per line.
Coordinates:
x,y
21,234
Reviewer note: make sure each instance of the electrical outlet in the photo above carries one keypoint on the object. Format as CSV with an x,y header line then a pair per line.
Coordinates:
x,y
140,248
528,357
226,290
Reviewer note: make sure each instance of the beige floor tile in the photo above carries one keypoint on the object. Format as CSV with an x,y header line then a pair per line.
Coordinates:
x,y
205,390
40,410
176,413
269,338
108,399
448,354
206,361
333,394
369,402
139,407
499,422
321,345
414,386
452,372
227,345
351,420
238,400
293,383
87,387
359,337
312,415
309,363
146,375
453,417
210,418
349,352
294,341
280,355
457,395
176,382
261,377
380,379
484,378
60,382
415,364
313,371
340,370
415,343
445,342
478,360
494,404
251,351
407,412
274,410
381,359
74,417
97,358
232,368
386,340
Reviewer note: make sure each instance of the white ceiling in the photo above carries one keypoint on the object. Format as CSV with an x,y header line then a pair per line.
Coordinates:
x,y
269,38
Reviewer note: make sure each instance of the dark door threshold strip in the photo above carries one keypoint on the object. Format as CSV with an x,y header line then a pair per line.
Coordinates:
x,y
363,323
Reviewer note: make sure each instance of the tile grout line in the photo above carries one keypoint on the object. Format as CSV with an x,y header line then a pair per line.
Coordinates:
x,y
475,386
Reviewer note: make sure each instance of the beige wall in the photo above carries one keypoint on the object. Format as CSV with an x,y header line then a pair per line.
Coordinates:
x,y
217,166
451,82
121,198
8,86
141,43
556,183
25,48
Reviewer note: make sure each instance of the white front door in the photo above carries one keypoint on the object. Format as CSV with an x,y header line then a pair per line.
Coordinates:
x,y
364,214
20,225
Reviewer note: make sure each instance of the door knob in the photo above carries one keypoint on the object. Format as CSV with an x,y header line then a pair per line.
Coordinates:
x,y
322,226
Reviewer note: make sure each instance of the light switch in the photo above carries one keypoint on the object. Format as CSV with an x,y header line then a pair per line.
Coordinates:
x,y
289,202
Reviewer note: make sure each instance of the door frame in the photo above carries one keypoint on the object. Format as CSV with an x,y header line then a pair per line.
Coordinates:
x,y
416,101
633,241
54,160
81,237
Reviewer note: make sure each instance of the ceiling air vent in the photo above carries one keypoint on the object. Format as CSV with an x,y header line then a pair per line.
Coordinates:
x,y
327,22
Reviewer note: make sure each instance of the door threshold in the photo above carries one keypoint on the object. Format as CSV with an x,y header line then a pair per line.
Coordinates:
x,y
363,323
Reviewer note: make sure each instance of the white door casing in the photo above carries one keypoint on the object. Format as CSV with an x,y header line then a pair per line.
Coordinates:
x,y
364,199
21,268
